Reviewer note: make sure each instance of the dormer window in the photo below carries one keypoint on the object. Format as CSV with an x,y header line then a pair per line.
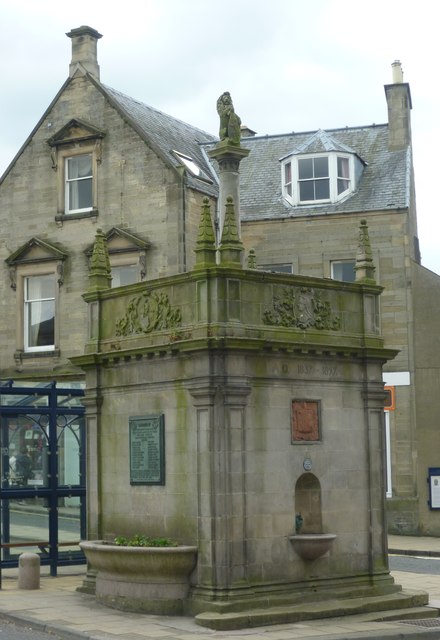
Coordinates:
x,y
317,179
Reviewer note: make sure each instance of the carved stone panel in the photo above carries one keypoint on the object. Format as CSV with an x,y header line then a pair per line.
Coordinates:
x,y
305,421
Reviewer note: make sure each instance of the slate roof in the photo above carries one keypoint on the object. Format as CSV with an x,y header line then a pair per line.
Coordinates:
x,y
166,134
384,184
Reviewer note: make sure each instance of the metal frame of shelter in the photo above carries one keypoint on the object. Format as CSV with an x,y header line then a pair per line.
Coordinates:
x,y
43,510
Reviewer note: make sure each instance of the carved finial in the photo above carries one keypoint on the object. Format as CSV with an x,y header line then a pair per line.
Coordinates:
x,y
252,259
205,246
206,236
230,123
364,258
230,231
100,270
231,247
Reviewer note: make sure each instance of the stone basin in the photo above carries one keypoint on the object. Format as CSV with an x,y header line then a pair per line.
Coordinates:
x,y
310,546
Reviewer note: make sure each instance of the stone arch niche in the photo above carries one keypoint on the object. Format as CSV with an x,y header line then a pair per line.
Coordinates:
x,y
309,540
308,505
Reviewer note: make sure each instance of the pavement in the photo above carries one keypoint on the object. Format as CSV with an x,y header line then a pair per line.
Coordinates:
x,y
57,608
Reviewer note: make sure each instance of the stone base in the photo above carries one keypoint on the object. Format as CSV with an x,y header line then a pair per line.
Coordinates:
x,y
241,598
89,583
399,605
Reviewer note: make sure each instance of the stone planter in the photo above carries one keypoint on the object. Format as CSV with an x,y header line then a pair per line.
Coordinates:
x,y
310,546
141,579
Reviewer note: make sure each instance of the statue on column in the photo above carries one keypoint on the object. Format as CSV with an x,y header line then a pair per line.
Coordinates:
x,y
229,121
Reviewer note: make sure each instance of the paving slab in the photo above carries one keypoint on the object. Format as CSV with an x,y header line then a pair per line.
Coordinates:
x,y
59,608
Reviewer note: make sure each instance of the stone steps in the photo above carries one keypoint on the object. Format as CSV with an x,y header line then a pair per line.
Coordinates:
x,y
393,606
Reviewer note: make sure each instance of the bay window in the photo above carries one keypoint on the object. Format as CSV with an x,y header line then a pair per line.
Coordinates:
x,y
317,179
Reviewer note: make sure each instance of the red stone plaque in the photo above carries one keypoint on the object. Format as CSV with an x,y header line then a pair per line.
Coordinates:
x,y
305,420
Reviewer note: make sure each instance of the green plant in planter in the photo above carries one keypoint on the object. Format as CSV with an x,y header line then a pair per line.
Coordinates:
x,y
140,540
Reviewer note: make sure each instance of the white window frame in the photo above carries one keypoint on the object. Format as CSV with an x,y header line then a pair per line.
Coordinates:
x,y
290,190
388,462
63,153
131,265
68,181
347,261
24,272
129,259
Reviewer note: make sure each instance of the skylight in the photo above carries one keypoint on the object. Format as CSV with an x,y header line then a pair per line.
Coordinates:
x,y
194,168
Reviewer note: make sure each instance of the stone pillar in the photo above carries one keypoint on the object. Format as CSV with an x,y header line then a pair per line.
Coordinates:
x,y
228,157
374,398
222,559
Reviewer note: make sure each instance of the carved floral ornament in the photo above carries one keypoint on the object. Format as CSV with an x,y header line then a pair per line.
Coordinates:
x,y
150,311
301,309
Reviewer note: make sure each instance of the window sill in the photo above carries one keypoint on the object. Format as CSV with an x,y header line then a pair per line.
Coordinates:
x,y
27,355
62,217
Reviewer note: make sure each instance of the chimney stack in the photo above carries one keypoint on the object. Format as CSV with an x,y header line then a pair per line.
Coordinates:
x,y
84,51
399,110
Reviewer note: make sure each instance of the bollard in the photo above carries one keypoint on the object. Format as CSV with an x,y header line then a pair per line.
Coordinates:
x,y
29,571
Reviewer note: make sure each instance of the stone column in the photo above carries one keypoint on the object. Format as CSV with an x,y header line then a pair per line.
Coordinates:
x,y
228,157
221,486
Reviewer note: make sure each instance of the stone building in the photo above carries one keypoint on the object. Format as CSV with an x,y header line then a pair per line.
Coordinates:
x,y
302,196
97,158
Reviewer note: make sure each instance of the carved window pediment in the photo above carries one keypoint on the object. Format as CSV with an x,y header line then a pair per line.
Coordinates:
x,y
75,131
121,241
37,251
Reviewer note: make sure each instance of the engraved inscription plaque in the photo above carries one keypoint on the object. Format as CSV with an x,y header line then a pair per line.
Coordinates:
x,y
147,451
305,421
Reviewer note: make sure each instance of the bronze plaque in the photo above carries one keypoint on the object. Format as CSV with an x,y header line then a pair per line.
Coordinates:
x,y
147,451
305,421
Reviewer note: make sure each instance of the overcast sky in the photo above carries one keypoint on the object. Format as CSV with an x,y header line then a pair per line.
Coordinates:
x,y
290,65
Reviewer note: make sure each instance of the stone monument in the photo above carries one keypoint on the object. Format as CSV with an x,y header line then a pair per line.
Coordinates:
x,y
268,456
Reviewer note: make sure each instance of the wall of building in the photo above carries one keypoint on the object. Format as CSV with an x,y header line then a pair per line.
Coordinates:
x,y
136,191
427,381
309,244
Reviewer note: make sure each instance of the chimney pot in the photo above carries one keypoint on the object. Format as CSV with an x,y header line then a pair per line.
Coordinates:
x,y
397,72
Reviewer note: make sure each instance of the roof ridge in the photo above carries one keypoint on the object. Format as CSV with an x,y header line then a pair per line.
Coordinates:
x,y
314,131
